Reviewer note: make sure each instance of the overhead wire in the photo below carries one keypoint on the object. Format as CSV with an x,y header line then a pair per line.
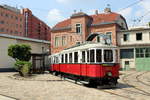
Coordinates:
x,y
131,5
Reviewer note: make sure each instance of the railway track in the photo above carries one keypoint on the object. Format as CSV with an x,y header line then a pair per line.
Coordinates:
x,y
138,79
124,79
133,86
102,90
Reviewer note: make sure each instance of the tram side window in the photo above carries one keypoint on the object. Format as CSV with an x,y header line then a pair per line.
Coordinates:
x,y
75,57
56,60
92,55
62,58
98,55
66,58
88,56
108,55
83,56
70,57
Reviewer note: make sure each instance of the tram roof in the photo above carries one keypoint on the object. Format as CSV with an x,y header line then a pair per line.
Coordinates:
x,y
88,46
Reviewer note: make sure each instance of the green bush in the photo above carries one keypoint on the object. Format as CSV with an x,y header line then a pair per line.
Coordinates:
x,y
20,52
23,67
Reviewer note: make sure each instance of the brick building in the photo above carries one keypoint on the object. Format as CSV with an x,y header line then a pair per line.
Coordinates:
x,y
34,27
14,21
11,21
79,26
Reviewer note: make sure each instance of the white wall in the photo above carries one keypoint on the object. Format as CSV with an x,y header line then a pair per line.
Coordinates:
x,y
5,60
8,62
132,37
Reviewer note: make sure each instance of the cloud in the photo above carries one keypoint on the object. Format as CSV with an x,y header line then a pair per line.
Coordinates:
x,y
75,1
143,14
54,16
64,1
126,12
91,11
145,4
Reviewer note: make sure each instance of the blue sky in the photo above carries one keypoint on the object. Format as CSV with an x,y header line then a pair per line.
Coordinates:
x,y
53,11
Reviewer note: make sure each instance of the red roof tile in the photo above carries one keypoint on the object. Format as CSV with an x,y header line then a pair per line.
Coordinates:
x,y
97,19
62,24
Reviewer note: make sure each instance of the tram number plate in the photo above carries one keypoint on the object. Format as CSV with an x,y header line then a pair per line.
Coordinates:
x,y
108,68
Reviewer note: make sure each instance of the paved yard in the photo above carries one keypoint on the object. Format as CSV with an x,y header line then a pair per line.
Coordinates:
x,y
132,86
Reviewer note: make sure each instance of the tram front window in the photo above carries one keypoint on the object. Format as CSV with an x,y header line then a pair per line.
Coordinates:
x,y
98,55
108,55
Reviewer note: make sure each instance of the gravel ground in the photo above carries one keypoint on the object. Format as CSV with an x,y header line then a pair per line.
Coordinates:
x,y
49,87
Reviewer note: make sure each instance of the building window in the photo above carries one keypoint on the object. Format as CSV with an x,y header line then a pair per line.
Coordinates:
x,y
147,52
2,30
2,22
64,40
16,32
6,15
16,18
57,41
12,16
78,28
126,37
20,19
1,13
71,39
127,53
138,36
109,34
142,52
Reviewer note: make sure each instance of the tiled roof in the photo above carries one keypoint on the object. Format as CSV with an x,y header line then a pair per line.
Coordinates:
x,y
96,19
63,24
104,18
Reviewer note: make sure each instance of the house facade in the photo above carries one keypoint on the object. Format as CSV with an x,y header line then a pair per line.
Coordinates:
x,y
79,26
134,48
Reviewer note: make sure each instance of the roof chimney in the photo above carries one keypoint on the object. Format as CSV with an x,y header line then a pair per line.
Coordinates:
x,y
96,12
107,9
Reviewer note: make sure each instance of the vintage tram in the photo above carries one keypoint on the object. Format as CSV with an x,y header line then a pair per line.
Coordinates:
x,y
95,63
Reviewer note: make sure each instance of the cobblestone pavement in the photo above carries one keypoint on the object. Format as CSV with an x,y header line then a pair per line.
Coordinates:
x,y
132,86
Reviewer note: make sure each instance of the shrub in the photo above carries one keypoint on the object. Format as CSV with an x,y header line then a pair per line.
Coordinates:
x,y
23,67
20,52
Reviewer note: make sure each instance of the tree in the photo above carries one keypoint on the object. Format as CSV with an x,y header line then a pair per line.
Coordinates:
x,y
20,52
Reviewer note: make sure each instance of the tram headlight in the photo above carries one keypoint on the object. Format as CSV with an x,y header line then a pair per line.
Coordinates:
x,y
109,73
